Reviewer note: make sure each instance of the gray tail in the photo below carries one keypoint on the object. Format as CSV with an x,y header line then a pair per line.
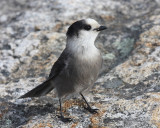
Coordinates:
x,y
40,90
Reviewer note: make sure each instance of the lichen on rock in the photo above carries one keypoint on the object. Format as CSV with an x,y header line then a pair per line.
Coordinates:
x,y
127,92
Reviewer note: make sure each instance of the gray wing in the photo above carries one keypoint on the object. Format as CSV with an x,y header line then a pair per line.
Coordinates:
x,y
47,86
59,65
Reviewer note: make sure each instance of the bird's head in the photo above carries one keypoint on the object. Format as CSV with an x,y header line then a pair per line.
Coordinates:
x,y
85,29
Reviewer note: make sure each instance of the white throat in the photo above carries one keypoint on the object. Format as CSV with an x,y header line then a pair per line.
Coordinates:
x,y
82,47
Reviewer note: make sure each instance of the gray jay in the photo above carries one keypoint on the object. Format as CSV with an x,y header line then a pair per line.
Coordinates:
x,y
78,66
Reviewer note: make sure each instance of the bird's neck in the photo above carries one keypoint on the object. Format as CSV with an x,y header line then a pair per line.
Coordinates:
x,y
82,47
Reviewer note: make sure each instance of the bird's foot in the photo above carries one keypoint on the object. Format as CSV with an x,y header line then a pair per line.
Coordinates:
x,y
65,120
93,111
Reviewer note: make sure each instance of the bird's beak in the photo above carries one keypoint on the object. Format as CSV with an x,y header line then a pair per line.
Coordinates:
x,y
100,28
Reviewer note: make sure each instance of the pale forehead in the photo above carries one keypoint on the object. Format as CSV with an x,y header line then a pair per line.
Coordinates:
x,y
92,22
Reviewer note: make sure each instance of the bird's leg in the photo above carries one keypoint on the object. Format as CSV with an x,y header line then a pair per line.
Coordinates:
x,y
65,120
93,111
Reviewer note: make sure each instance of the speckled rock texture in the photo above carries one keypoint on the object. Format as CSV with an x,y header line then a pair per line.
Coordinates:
x,y
127,93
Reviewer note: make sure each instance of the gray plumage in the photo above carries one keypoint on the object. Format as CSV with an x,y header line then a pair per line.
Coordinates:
x,y
78,66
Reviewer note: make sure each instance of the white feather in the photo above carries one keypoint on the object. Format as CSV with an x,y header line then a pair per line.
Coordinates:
x,y
84,45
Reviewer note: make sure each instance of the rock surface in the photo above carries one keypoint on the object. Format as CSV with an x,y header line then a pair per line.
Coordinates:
x,y
127,92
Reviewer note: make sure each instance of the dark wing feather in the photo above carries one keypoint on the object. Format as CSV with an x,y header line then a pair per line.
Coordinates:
x,y
47,86
58,65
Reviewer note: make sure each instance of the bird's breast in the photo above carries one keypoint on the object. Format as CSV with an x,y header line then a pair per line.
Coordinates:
x,y
87,64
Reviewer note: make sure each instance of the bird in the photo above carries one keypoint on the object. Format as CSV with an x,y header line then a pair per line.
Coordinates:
x,y
77,68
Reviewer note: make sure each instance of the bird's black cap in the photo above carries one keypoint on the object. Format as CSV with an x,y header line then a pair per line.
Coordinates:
x,y
75,27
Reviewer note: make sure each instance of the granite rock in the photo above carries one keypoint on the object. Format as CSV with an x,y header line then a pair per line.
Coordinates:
x,y
127,92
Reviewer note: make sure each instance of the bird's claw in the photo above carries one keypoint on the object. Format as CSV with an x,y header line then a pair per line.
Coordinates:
x,y
93,111
65,120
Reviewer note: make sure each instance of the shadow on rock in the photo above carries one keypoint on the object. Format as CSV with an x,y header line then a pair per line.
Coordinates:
x,y
13,115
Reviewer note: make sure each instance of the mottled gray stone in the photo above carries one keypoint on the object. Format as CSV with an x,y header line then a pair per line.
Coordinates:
x,y
32,36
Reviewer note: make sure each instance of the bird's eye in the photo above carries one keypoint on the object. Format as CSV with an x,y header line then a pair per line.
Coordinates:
x,y
87,27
